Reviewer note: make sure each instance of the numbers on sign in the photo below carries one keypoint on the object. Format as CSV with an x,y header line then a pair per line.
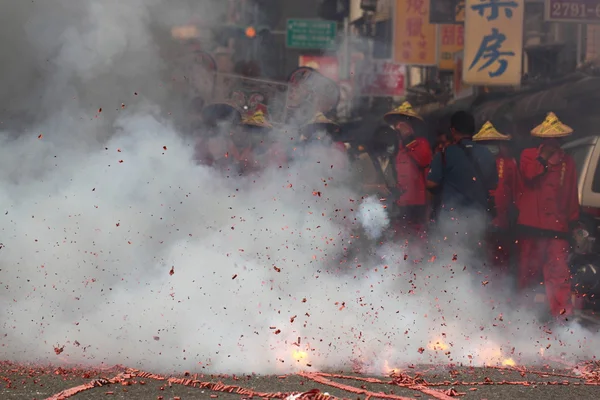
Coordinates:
x,y
571,10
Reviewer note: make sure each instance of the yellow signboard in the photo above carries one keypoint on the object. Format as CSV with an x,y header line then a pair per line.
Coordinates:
x,y
451,40
493,42
415,39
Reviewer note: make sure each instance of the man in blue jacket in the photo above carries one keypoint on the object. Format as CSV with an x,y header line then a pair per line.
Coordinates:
x,y
463,174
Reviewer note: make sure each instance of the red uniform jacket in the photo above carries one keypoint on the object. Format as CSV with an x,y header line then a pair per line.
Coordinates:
x,y
412,163
548,199
506,191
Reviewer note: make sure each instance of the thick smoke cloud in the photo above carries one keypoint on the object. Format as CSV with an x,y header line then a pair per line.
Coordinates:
x,y
118,249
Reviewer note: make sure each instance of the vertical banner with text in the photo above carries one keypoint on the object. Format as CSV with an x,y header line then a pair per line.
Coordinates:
x,y
451,40
415,39
493,53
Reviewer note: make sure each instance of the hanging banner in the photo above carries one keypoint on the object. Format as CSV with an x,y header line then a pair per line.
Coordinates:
x,y
451,40
493,42
415,39
447,12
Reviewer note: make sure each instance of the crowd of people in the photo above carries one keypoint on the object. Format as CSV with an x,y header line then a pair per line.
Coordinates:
x,y
529,206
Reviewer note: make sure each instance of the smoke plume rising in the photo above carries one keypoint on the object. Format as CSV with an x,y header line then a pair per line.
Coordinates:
x,y
119,249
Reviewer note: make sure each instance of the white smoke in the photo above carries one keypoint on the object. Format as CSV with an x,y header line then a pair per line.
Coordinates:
x,y
373,217
100,208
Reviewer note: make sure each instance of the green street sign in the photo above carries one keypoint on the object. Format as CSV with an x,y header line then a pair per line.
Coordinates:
x,y
311,34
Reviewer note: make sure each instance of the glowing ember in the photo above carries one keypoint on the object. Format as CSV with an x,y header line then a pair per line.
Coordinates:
x,y
438,345
509,362
387,370
299,355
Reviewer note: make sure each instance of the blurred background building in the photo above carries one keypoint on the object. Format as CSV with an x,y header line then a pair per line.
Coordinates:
x,y
369,57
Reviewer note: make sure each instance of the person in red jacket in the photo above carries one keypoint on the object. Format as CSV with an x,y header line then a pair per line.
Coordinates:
x,y
548,212
412,162
499,240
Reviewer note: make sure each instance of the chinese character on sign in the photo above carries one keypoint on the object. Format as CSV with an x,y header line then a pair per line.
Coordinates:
x,y
417,7
414,26
406,49
490,50
494,7
448,35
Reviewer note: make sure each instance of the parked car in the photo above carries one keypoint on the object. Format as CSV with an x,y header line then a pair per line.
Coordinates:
x,y
585,260
586,154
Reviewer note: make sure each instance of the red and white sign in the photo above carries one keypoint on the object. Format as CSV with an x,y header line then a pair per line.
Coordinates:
x,y
381,78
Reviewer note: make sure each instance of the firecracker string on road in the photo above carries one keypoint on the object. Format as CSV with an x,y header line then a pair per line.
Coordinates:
x,y
589,375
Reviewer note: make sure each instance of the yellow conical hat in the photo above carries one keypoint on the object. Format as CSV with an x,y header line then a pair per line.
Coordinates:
x,y
404,110
321,119
551,128
489,133
258,119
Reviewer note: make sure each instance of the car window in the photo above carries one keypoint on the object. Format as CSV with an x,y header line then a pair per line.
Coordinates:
x,y
580,155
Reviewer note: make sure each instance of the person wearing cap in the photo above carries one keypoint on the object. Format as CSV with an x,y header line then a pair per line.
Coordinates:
x,y
412,161
219,120
499,241
548,212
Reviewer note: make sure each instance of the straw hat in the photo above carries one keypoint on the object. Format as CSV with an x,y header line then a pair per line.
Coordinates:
x,y
551,128
257,120
320,120
219,111
489,133
405,110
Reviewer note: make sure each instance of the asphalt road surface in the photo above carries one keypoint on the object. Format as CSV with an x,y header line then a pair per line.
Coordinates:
x,y
29,382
